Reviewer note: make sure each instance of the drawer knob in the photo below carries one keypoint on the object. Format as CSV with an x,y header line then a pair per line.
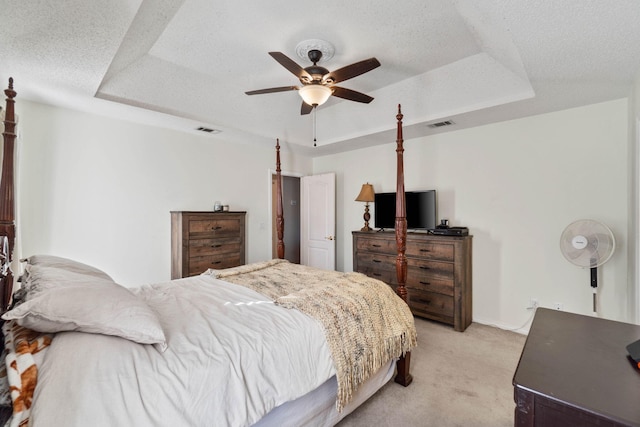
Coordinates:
x,y
425,267
377,274
425,250
376,246
425,283
377,260
218,227
216,246
215,262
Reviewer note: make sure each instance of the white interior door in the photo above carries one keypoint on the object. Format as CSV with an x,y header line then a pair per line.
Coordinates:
x,y
318,221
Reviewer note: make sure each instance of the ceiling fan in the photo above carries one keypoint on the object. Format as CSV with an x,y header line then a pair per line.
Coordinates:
x,y
318,83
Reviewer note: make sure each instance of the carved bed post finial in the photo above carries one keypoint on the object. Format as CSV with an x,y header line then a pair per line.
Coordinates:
x,y
7,203
279,205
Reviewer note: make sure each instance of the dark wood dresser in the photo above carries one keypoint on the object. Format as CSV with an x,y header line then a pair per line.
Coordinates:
x,y
202,240
574,371
438,272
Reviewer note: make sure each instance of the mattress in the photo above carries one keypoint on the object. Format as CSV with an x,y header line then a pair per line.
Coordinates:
x,y
318,409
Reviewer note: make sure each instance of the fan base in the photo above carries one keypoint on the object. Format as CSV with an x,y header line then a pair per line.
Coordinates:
x,y
303,48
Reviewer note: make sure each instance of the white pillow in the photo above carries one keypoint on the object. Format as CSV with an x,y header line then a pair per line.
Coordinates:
x,y
60,300
66,264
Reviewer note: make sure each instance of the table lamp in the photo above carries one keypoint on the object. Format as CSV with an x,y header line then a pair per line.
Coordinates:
x,y
366,195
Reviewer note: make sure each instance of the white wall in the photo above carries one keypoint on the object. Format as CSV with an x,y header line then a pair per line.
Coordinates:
x,y
100,190
516,185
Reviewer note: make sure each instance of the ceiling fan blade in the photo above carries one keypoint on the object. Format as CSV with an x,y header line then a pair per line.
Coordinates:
x,y
353,70
351,95
290,65
272,90
305,109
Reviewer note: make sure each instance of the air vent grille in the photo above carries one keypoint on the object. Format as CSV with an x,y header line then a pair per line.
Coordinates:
x,y
441,124
208,130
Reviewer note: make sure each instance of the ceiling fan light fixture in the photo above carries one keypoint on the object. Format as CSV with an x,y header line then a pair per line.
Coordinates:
x,y
314,94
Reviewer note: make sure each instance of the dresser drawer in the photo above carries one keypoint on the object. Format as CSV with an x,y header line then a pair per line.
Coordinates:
x,y
198,265
431,304
200,227
387,276
425,268
430,284
202,247
377,262
383,246
427,250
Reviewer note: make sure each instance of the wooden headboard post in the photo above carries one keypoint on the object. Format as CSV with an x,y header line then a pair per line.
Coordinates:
x,y
7,203
403,376
279,205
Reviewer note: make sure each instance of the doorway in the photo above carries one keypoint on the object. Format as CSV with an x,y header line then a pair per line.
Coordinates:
x,y
291,213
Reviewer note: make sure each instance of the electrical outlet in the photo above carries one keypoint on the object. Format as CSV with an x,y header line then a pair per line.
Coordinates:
x,y
533,304
558,306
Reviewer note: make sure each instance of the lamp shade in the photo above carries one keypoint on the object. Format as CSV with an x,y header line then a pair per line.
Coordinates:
x,y
366,194
314,94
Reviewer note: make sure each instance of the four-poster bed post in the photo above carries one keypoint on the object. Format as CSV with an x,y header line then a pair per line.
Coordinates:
x,y
401,214
279,205
403,376
7,208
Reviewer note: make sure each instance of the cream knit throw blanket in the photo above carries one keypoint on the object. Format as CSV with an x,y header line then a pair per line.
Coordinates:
x,y
365,323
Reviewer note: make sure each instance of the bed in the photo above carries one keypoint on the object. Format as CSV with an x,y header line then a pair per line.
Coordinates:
x,y
266,344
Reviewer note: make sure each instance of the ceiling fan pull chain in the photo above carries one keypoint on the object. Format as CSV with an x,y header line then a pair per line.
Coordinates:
x,y
314,125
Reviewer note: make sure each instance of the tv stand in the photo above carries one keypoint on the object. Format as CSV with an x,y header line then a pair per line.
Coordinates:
x,y
438,272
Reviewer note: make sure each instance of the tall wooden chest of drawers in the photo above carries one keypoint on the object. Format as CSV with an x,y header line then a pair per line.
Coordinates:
x,y
438,272
202,240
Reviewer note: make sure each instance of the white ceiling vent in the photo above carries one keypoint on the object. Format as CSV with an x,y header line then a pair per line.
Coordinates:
x,y
441,124
208,130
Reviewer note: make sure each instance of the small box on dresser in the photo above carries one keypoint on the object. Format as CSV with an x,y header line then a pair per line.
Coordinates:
x,y
203,240
438,272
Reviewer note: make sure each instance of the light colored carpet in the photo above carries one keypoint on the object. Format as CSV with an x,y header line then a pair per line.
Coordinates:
x,y
459,379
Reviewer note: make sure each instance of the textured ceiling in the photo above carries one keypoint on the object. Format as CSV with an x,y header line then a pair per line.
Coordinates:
x,y
186,64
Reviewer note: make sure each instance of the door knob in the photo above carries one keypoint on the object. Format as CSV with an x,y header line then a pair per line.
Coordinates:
x,y
330,238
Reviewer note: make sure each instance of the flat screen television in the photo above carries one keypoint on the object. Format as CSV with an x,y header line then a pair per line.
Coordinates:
x,y
420,206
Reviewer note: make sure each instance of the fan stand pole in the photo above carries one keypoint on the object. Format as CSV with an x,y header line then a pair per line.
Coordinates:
x,y
594,286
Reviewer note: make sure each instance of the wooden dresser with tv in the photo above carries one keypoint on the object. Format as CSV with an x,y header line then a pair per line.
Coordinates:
x,y
438,272
203,240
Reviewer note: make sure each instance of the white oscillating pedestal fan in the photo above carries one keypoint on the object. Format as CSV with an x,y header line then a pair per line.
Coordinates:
x,y
588,244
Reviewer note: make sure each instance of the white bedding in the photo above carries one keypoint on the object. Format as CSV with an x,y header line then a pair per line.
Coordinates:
x,y
232,372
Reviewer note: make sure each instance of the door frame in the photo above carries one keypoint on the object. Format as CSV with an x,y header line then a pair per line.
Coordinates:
x,y
635,226
272,172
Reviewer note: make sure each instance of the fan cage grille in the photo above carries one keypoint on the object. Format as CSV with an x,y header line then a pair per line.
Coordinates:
x,y
596,248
